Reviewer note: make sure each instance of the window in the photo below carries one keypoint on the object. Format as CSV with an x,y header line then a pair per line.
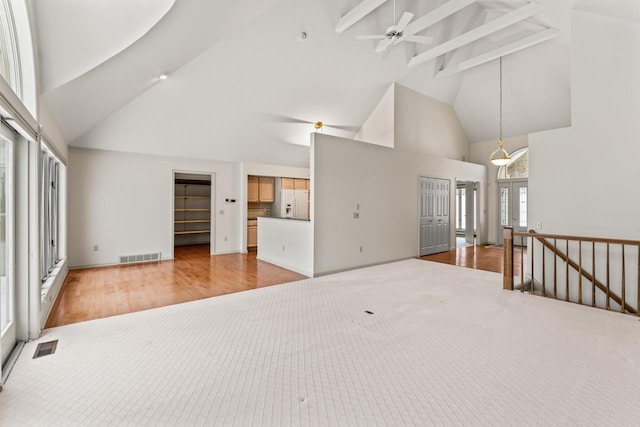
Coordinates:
x,y
9,63
461,206
6,235
523,207
504,206
518,167
49,214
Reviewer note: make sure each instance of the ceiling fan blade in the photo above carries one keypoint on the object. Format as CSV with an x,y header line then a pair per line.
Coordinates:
x,y
404,21
418,39
286,119
371,37
384,43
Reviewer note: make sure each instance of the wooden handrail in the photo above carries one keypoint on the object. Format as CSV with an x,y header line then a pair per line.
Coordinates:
x,y
509,235
532,233
604,288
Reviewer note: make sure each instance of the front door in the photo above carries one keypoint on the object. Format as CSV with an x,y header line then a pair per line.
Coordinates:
x,y
434,215
513,208
7,284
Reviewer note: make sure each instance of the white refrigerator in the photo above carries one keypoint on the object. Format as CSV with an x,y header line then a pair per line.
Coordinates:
x,y
294,204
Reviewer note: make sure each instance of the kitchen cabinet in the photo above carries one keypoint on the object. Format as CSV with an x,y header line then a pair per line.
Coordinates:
x,y
267,189
294,183
300,184
252,233
286,183
260,189
253,189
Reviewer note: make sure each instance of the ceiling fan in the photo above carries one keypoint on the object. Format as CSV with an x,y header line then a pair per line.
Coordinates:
x,y
318,126
395,33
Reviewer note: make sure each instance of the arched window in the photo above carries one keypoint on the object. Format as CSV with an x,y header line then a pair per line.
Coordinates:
x,y
518,167
9,63
17,65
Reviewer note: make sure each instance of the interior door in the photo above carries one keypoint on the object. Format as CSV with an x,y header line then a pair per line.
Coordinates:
x,y
7,284
434,215
424,216
513,208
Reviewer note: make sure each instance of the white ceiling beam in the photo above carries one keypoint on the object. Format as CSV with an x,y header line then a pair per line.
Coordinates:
x,y
357,13
437,15
510,48
477,33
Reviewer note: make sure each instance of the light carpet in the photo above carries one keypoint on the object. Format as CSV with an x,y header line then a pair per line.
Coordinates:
x,y
444,346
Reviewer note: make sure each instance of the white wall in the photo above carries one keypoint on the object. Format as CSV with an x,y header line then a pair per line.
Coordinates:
x,y
260,169
427,126
379,127
384,183
584,180
536,92
123,203
287,243
480,154
54,138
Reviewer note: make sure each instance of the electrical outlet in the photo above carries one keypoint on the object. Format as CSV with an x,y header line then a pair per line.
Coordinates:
x,y
539,226
96,248
356,215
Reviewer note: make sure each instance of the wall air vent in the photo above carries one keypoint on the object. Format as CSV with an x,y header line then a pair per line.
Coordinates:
x,y
133,259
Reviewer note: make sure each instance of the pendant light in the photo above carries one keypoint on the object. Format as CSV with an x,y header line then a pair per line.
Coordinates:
x,y
500,157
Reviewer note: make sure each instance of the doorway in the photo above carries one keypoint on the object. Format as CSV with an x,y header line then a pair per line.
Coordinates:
x,y
513,207
434,215
192,207
466,206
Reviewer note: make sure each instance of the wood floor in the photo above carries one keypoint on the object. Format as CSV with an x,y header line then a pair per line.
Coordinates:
x,y
93,293
487,258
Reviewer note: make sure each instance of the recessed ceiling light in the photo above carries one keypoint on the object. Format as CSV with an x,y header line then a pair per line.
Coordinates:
x,y
163,76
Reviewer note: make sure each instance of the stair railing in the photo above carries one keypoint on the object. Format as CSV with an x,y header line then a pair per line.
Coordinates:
x,y
600,272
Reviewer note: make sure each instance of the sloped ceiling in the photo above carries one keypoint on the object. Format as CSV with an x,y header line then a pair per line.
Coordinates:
x,y
244,85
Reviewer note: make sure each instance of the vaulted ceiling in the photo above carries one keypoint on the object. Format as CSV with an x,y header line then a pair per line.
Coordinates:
x,y
245,84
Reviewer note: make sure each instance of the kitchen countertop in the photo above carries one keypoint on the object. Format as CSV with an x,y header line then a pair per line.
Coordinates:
x,y
286,219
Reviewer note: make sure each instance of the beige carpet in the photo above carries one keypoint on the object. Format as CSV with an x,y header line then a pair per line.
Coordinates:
x,y
443,346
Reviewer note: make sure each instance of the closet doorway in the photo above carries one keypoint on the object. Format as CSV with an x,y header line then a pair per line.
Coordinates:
x,y
192,220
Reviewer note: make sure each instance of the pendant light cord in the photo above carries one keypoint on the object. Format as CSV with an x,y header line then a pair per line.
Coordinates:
x,y
394,13
501,98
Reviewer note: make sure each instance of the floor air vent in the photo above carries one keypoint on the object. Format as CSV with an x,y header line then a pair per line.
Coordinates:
x,y
45,349
131,259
